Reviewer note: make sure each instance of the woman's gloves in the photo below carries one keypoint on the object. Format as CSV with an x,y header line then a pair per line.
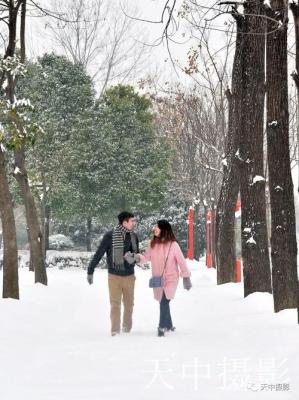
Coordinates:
x,y
187,283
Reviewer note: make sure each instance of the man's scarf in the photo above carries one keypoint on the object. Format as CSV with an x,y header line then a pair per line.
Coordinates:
x,y
118,237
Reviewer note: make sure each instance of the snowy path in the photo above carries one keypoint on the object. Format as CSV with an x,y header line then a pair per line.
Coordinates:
x,y
55,343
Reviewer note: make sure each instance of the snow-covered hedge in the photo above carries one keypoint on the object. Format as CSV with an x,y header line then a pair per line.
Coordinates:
x,y
63,259
68,259
60,242
60,259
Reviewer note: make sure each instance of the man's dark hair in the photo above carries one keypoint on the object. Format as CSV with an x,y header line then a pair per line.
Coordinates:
x,y
124,216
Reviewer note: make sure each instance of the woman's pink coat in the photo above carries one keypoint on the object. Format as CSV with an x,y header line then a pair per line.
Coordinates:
x,y
176,266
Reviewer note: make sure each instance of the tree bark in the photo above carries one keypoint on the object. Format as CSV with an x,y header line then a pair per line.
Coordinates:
x,y
283,225
10,250
88,233
225,215
45,212
22,30
196,232
34,231
47,226
295,10
213,233
255,252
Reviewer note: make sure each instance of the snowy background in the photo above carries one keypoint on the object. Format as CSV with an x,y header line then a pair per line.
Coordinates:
x,y
55,343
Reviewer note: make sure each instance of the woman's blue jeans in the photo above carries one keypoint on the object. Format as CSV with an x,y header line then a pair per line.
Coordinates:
x,y
165,317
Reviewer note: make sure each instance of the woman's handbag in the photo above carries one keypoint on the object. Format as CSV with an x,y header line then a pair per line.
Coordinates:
x,y
158,281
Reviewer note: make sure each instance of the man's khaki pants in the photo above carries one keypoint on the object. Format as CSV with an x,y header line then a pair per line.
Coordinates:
x,y
121,288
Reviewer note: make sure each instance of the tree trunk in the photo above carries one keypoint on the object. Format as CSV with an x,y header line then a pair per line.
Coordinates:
x,y
10,249
22,31
255,252
225,215
295,10
196,232
47,226
45,212
283,220
10,51
34,231
88,233
31,266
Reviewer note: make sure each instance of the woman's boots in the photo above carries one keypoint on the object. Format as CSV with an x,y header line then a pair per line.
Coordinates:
x,y
161,331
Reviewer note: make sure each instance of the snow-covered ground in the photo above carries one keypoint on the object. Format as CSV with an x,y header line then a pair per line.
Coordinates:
x,y
55,343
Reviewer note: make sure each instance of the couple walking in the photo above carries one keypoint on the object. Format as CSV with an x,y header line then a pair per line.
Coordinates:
x,y
121,246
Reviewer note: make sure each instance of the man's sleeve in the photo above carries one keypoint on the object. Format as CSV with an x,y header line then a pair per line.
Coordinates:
x,y
137,244
98,254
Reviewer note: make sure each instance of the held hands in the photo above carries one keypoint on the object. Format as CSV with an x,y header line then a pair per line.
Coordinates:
x,y
131,257
187,283
137,258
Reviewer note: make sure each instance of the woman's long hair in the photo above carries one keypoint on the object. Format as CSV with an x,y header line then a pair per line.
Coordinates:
x,y
166,234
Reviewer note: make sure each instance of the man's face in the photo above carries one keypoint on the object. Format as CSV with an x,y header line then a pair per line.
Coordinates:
x,y
129,224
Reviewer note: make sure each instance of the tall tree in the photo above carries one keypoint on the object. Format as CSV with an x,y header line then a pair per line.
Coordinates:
x,y
255,252
137,158
294,6
283,220
225,217
295,10
35,237
190,124
63,96
10,250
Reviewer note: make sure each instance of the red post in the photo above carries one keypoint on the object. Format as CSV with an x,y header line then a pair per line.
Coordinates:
x,y
239,259
213,236
238,270
238,205
209,258
190,252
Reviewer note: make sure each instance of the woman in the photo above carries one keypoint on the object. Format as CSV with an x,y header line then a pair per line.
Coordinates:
x,y
165,256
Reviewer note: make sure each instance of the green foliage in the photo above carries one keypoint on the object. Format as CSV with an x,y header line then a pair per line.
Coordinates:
x,y
61,93
97,157
138,157
16,127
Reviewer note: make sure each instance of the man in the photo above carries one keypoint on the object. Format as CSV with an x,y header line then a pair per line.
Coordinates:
x,y
121,278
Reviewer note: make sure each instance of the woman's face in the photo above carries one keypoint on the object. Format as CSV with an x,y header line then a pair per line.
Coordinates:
x,y
156,230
